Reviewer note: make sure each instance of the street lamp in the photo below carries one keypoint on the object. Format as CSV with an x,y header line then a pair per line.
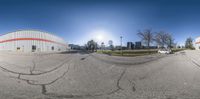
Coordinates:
x,y
121,44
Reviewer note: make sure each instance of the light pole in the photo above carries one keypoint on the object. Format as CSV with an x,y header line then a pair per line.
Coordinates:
x,y
121,45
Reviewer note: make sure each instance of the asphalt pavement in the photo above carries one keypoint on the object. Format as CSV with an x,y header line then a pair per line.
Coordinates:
x,y
98,76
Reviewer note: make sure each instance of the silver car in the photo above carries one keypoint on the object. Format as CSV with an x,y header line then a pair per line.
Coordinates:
x,y
164,51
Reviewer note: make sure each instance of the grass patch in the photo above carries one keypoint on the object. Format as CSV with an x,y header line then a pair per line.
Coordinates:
x,y
128,53
132,53
177,50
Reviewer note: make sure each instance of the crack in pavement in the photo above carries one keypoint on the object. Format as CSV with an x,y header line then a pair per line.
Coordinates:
x,y
44,90
83,58
133,85
118,83
120,77
43,85
31,73
33,67
31,82
118,88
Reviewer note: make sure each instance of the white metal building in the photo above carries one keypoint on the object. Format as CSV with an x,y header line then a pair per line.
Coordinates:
x,y
32,41
197,43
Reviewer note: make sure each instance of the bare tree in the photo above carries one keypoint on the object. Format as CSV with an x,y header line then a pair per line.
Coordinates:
x,y
162,38
146,36
169,40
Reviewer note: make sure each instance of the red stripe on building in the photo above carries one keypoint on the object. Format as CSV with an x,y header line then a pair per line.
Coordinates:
x,y
197,43
36,39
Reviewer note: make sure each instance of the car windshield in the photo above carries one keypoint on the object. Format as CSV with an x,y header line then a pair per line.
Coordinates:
x,y
99,49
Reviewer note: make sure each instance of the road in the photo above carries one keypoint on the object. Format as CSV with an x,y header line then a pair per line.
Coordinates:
x,y
96,76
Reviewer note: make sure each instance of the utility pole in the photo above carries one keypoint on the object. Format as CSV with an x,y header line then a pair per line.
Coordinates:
x,y
121,45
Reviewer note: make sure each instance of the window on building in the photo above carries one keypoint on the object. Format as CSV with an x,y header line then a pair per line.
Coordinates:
x,y
52,48
33,48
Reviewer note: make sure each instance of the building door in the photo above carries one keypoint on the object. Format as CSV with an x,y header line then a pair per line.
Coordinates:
x,y
33,48
52,48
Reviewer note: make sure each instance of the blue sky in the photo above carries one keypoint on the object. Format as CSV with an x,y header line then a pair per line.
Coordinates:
x,y
78,21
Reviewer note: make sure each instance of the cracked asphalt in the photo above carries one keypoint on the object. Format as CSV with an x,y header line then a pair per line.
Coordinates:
x,y
97,76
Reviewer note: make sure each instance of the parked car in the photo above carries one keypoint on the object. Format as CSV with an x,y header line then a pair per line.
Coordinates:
x,y
164,51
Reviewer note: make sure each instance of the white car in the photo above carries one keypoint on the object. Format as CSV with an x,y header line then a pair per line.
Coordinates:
x,y
164,51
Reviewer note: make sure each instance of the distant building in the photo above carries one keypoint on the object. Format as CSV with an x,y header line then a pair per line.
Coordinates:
x,y
110,45
138,45
74,47
130,45
117,47
153,47
124,48
82,48
150,47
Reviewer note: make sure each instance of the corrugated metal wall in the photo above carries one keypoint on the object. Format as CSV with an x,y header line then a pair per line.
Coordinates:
x,y
32,41
197,43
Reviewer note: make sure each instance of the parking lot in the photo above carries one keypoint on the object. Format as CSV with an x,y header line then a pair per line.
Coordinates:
x,y
97,76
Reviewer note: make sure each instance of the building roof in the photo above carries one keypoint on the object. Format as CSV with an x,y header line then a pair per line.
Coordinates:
x,y
32,30
27,30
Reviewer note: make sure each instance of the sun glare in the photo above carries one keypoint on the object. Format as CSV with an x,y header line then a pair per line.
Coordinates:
x,y
99,37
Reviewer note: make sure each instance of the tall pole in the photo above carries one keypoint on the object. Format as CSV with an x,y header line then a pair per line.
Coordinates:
x,y
121,45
